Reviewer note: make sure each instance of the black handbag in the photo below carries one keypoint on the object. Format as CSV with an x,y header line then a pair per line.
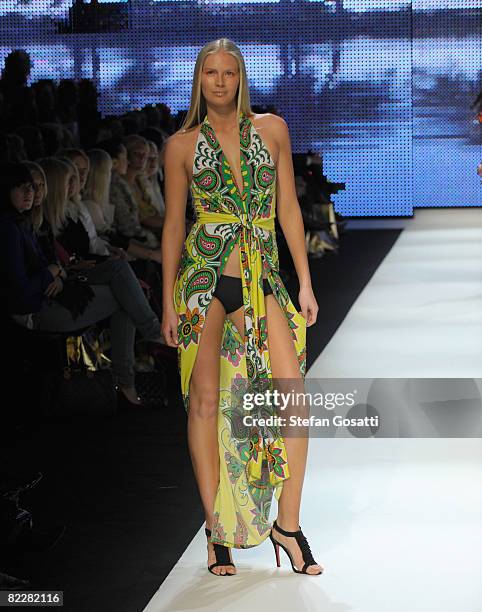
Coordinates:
x,y
75,295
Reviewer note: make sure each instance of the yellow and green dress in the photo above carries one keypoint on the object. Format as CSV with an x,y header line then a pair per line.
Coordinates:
x,y
253,459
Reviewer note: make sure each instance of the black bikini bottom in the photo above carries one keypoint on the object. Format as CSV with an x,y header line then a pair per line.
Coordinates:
x,y
229,292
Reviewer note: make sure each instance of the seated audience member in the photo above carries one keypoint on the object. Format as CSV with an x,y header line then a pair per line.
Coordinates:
x,y
152,208
81,161
53,250
98,244
154,135
126,214
32,288
79,221
40,226
95,194
137,153
157,179
103,162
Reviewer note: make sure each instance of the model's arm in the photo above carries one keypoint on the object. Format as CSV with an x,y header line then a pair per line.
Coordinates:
x,y
290,218
173,231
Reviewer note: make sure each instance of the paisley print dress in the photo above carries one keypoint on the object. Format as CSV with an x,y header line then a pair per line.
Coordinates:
x,y
253,459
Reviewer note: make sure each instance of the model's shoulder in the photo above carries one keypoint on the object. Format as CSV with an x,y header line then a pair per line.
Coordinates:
x,y
183,137
273,123
181,143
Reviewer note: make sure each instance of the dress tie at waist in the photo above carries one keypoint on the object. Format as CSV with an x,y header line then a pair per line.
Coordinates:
x,y
263,448
220,217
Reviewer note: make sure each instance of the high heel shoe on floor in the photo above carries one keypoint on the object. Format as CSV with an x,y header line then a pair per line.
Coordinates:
x,y
302,543
123,403
222,556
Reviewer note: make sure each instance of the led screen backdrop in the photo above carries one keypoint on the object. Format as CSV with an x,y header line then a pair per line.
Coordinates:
x,y
382,89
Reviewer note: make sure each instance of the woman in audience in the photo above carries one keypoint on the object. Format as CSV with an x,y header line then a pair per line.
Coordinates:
x,y
69,234
40,192
96,191
97,199
143,189
79,234
124,190
57,178
81,161
126,219
40,226
155,176
30,284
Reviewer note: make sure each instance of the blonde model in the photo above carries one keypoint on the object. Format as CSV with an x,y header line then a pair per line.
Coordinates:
x,y
228,312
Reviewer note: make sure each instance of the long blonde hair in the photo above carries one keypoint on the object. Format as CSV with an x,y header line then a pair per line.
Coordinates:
x,y
76,197
71,154
198,108
56,172
98,182
36,214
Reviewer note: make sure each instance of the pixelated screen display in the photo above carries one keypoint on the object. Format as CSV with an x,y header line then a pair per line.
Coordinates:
x,y
381,89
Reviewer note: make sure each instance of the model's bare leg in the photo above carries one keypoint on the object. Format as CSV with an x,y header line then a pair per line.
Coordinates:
x,y
203,418
284,365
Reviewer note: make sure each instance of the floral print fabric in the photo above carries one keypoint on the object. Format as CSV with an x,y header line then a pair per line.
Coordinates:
x,y
253,459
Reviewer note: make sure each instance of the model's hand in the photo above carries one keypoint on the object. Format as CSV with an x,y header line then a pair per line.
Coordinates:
x,y
169,323
308,304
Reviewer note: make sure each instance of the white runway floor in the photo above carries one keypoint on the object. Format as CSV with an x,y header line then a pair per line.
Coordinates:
x,y
397,523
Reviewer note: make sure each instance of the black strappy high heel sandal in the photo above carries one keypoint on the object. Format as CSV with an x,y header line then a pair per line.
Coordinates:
x,y
302,543
222,556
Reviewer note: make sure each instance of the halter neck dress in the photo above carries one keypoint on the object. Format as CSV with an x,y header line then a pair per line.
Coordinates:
x,y
253,459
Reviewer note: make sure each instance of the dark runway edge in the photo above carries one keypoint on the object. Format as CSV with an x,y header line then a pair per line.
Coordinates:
x,y
124,487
